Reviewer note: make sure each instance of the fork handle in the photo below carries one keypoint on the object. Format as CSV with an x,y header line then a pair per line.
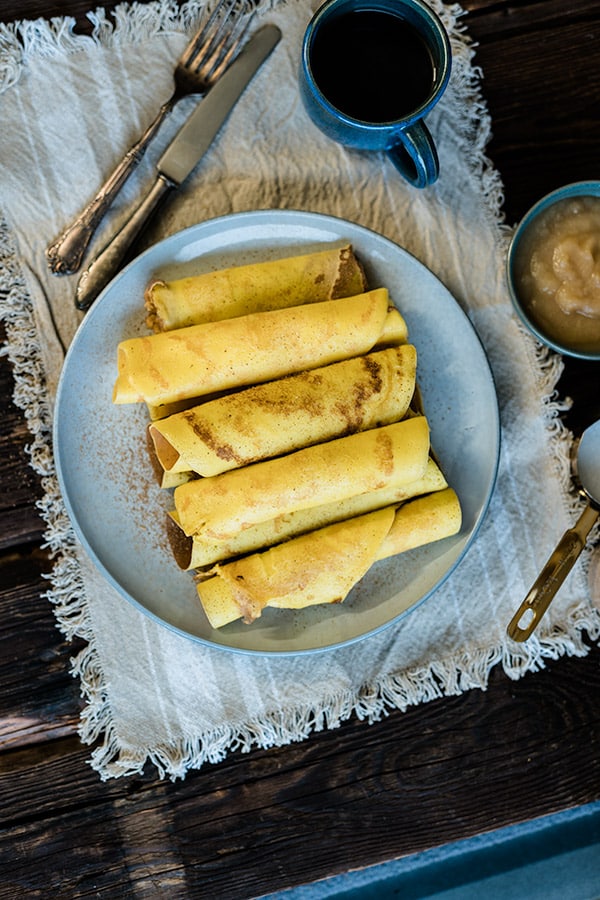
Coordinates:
x,y
64,255
106,264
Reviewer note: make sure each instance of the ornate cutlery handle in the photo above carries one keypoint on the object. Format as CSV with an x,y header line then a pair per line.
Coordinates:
x,y
64,255
106,264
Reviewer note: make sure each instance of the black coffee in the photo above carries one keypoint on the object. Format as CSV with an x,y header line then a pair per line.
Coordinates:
x,y
372,65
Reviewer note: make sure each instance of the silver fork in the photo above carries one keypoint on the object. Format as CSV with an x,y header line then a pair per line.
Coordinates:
x,y
205,58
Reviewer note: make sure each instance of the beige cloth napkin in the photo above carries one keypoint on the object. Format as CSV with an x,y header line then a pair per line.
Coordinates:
x,y
70,107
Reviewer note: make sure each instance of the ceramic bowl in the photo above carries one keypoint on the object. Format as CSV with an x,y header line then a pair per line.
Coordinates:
x,y
578,189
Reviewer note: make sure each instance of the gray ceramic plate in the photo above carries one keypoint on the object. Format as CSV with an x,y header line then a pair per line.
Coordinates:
x,y
118,511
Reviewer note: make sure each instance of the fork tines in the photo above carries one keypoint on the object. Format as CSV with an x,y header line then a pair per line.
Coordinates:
x,y
219,39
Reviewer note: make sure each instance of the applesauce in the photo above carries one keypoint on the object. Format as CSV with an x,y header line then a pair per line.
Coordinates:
x,y
556,272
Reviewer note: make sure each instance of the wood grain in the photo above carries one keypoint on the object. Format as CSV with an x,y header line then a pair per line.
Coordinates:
x,y
369,792
359,794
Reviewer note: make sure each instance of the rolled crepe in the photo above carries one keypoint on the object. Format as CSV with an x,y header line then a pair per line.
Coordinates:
x,y
422,521
163,410
324,565
299,573
164,478
223,505
219,356
199,553
257,287
174,479
284,415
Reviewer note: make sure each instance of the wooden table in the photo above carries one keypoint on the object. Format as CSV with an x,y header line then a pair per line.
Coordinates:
x,y
360,794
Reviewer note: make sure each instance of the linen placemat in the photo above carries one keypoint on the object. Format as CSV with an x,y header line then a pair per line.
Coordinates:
x,y
71,105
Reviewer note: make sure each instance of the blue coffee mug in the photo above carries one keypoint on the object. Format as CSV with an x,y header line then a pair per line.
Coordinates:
x,y
400,132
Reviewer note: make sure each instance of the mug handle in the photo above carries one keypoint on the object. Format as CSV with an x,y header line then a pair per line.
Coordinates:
x,y
414,155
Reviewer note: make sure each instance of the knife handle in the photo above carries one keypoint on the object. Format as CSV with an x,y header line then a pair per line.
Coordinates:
x,y
102,269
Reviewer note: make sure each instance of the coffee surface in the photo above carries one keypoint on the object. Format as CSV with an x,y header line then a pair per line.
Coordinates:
x,y
372,65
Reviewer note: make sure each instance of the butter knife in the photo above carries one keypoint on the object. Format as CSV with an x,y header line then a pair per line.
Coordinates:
x,y
182,155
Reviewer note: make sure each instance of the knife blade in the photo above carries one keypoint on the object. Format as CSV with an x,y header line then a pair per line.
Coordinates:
x,y
179,159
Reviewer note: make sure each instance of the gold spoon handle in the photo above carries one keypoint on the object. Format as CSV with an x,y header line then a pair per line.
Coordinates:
x,y
537,601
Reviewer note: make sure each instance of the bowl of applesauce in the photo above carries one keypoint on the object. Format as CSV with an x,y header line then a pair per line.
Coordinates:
x,y
553,269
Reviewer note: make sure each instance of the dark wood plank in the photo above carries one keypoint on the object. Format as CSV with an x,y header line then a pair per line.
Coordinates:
x,y
544,109
20,487
542,93
13,10
370,793
39,698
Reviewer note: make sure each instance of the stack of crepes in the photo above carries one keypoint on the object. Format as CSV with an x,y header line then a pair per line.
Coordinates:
x,y
282,402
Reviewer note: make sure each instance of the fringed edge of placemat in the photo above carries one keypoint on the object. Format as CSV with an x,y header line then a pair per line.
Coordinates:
x,y
451,676
129,23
